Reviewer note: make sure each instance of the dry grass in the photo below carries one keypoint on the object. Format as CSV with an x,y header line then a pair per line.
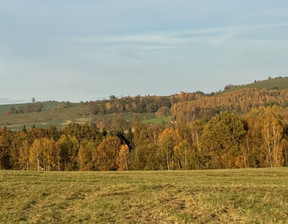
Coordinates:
x,y
208,196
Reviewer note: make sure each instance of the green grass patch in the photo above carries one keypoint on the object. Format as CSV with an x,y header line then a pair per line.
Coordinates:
x,y
207,196
156,120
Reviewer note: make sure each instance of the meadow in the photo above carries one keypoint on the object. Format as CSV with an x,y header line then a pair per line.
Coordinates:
x,y
78,113
203,196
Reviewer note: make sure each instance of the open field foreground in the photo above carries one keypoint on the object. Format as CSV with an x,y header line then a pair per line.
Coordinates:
x,y
207,196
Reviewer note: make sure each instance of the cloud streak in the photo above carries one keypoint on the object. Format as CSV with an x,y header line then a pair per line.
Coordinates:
x,y
181,37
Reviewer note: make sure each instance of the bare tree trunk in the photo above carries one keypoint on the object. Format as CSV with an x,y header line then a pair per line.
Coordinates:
x,y
179,164
285,157
269,155
38,164
197,141
185,159
167,160
126,164
248,150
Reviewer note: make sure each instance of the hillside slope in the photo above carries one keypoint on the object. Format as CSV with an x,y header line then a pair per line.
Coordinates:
x,y
270,83
77,113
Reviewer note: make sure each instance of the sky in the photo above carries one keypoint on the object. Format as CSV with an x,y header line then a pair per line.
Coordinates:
x,y
71,50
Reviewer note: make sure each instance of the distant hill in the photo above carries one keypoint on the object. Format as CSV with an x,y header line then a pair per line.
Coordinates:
x,y
180,108
269,84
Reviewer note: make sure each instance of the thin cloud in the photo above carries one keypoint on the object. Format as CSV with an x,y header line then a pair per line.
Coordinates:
x,y
182,37
233,31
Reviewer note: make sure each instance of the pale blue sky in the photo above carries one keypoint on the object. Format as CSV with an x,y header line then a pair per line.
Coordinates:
x,y
90,49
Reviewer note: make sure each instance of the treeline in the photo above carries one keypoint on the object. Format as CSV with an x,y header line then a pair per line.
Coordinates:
x,y
258,138
186,107
37,107
29,108
138,104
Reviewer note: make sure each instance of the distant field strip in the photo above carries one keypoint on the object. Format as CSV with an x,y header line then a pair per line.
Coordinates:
x,y
208,196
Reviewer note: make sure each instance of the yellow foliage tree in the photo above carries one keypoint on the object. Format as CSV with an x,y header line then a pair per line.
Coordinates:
x,y
168,139
24,152
272,133
122,158
36,155
181,152
51,154
85,155
221,140
44,154
68,146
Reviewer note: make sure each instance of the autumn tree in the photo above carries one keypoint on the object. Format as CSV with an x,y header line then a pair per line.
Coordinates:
x,y
36,155
147,157
85,154
85,131
272,134
4,155
105,157
285,145
119,124
36,133
251,147
24,154
221,140
162,112
6,138
53,133
181,154
43,155
122,159
104,123
51,154
145,154
168,139
265,139
68,146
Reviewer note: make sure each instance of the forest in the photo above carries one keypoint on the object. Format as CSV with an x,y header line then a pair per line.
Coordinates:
x,y
236,128
239,129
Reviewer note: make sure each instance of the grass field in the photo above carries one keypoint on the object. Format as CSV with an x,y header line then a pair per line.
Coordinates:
x,y
208,196
45,118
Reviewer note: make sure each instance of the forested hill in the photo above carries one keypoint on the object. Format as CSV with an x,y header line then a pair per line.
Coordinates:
x,y
247,127
181,108
239,101
235,98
